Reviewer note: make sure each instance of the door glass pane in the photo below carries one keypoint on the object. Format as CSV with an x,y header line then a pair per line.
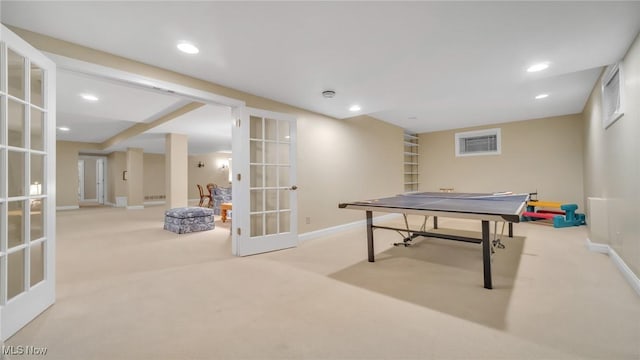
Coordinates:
x,y
283,154
37,263
283,131
37,218
284,199
37,171
16,173
15,230
270,129
15,117
15,74
271,198
285,222
36,86
255,128
271,154
255,151
3,175
256,176
15,271
257,202
1,119
256,225
284,176
271,173
271,223
37,129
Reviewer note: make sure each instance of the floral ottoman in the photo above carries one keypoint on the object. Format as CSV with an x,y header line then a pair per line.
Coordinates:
x,y
188,219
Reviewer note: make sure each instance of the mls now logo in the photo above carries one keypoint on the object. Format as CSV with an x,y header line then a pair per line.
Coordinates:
x,y
12,350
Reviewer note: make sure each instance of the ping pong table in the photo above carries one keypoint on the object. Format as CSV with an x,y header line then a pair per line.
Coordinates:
x,y
499,207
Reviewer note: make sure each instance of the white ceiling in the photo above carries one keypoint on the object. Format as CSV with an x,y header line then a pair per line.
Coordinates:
x,y
121,106
424,66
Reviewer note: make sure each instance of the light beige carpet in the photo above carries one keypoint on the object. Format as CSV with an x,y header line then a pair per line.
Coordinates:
x,y
129,290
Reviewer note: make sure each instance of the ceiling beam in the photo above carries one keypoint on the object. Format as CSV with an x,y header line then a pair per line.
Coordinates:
x,y
140,128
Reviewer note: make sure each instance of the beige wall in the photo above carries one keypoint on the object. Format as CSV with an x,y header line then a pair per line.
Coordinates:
x,y
345,160
116,187
135,177
67,154
542,154
210,173
612,165
338,160
154,174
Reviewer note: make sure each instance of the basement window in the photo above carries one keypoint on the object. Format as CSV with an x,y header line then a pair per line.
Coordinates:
x,y
612,95
481,142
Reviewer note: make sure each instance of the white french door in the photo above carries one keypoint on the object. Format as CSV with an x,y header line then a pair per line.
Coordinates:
x,y
27,178
265,216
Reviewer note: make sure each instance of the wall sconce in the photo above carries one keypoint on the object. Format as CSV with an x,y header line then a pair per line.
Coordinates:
x,y
35,189
200,164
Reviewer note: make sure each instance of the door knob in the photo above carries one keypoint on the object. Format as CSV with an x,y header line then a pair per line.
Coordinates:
x,y
294,187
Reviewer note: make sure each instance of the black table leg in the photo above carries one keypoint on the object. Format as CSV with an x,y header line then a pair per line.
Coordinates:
x,y
486,254
435,222
510,229
370,236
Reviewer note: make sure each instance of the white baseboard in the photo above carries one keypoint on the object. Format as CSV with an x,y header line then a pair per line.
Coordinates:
x,y
335,229
157,202
631,278
70,207
135,207
109,204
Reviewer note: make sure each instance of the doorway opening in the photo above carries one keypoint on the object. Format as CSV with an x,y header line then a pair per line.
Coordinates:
x,y
91,180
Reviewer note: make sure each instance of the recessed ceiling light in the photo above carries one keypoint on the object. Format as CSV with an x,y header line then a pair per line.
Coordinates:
x,y
188,48
541,96
89,97
538,67
63,128
412,118
354,108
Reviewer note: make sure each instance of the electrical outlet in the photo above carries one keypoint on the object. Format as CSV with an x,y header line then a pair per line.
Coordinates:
x,y
307,220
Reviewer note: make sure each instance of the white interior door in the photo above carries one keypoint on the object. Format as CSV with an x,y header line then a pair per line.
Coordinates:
x,y
100,180
80,180
265,216
27,178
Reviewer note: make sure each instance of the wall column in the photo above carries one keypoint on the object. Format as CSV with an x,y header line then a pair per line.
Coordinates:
x,y
176,160
135,178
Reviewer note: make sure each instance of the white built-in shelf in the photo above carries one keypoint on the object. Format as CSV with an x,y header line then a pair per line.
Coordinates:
x,y
411,156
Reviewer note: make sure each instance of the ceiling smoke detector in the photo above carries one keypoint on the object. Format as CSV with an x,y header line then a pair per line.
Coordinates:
x,y
328,94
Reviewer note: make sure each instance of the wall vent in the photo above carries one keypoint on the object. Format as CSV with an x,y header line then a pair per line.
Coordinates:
x,y
481,142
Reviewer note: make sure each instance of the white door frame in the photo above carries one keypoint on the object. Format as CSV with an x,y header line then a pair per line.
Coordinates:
x,y
101,180
101,186
80,180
